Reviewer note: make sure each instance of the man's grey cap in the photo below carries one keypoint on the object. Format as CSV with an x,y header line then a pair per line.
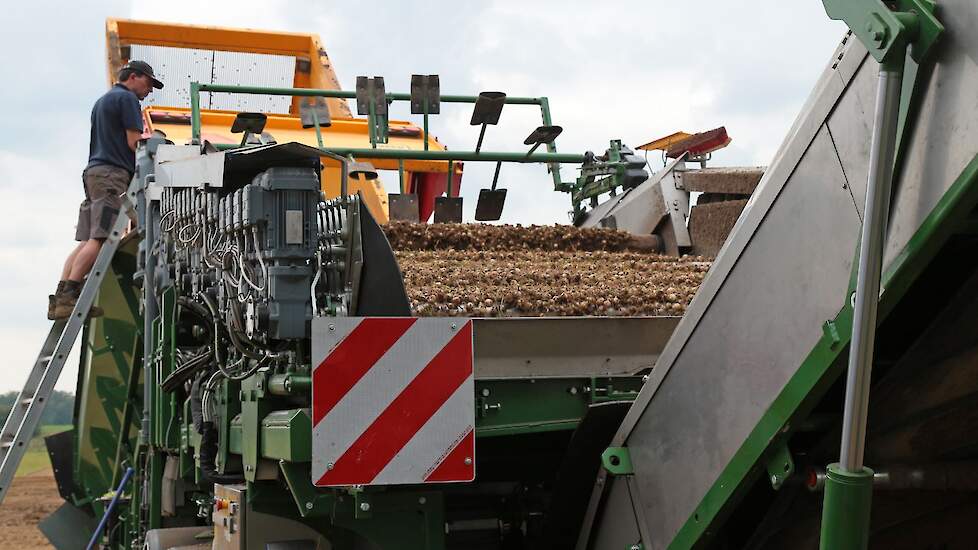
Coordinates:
x,y
144,68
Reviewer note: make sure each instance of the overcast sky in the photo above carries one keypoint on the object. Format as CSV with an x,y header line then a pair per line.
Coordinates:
x,y
630,70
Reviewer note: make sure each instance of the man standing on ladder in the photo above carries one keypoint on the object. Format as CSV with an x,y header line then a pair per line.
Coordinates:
x,y
117,125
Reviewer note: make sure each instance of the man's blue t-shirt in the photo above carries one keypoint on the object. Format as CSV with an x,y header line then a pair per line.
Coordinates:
x,y
114,113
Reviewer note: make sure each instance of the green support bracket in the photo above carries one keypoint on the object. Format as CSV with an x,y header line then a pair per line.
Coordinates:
x,y
362,504
886,33
617,461
831,331
309,501
780,467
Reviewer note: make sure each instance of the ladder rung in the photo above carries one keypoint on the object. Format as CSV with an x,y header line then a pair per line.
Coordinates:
x,y
26,401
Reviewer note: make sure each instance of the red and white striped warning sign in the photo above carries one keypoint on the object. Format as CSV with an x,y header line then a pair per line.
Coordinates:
x,y
392,401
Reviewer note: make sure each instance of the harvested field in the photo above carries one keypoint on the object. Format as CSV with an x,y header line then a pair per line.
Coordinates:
x,y
513,271
31,498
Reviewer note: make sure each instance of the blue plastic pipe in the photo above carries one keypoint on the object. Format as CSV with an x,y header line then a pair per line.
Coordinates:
x,y
108,511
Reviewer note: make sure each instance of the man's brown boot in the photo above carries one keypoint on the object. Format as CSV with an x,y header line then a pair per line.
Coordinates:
x,y
53,297
64,303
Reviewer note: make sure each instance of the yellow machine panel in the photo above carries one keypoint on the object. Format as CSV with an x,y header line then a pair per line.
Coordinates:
x,y
313,70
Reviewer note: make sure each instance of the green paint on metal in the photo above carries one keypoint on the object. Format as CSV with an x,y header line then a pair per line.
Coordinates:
x,y
196,88
287,435
886,33
822,365
554,167
400,172
471,156
344,94
780,467
105,364
846,509
309,502
523,406
617,460
195,111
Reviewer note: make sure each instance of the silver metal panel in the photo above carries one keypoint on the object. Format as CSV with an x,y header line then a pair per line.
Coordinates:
x,y
678,445
617,528
166,153
767,294
850,125
945,137
253,69
176,68
192,172
764,320
640,210
595,216
817,107
568,346
293,227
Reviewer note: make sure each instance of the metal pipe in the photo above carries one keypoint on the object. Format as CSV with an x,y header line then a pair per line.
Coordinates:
x,y
150,308
111,507
195,111
197,87
875,215
468,156
400,175
289,384
448,187
343,94
552,146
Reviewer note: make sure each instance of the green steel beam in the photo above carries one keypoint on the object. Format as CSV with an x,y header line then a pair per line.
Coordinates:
x,y
471,156
345,94
826,361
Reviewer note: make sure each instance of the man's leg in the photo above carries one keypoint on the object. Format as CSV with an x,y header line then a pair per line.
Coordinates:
x,y
66,271
84,259
103,185
82,231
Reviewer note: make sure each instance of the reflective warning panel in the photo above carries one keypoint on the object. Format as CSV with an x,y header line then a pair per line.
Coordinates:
x,y
392,401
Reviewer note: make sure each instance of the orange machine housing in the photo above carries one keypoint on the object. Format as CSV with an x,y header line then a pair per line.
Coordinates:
x,y
313,70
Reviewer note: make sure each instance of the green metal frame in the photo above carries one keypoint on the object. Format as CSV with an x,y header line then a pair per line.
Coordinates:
x,y
552,158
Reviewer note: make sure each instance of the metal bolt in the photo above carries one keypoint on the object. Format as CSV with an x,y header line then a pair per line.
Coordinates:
x,y
485,392
329,466
573,390
365,506
774,479
308,506
468,461
332,327
454,326
422,500
852,299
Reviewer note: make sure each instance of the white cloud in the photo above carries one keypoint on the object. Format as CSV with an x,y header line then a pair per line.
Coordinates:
x,y
631,70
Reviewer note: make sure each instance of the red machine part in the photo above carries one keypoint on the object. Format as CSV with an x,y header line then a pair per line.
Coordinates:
x,y
428,185
700,144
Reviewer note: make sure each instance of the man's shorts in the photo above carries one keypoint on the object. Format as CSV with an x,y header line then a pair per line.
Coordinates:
x,y
104,185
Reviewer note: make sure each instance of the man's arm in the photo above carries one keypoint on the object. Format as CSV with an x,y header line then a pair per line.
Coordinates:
x,y
132,120
132,136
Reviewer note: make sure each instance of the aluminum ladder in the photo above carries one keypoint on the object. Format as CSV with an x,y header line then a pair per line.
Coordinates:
x,y
27,409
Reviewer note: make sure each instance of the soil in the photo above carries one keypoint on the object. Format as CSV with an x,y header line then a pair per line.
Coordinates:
x,y
710,224
31,498
513,271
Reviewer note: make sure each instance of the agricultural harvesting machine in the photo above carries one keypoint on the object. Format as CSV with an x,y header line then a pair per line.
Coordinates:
x,y
257,382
